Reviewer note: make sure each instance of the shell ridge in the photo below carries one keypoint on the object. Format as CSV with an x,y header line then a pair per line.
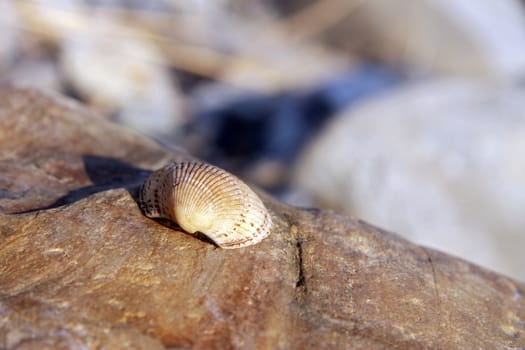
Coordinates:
x,y
181,206
191,194
218,185
201,190
201,194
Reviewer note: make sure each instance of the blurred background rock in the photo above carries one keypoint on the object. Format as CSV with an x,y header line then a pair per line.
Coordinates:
x,y
409,114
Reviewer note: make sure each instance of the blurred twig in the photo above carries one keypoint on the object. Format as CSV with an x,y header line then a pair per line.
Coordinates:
x,y
314,19
257,55
57,24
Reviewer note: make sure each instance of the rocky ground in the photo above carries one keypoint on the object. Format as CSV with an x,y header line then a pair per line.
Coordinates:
x,y
81,267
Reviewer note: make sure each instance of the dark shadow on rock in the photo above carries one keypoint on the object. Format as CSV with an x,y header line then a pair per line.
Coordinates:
x,y
105,173
108,173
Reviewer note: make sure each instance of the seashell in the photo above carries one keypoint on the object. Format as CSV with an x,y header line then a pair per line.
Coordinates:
x,y
203,198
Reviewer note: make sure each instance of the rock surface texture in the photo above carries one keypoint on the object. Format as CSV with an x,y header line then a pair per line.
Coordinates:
x,y
81,267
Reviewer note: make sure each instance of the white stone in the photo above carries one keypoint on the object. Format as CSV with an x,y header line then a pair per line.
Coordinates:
x,y
442,163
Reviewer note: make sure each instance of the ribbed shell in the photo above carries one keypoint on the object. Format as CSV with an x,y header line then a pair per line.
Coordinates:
x,y
203,198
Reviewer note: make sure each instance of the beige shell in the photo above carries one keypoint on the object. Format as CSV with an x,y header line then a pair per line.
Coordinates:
x,y
203,198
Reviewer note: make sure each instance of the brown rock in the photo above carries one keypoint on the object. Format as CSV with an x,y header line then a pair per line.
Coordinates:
x,y
80,266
